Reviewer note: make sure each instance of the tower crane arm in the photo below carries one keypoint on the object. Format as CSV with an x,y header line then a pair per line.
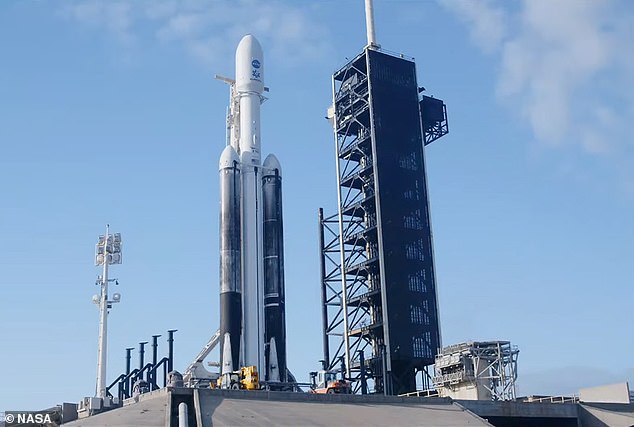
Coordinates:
x,y
196,370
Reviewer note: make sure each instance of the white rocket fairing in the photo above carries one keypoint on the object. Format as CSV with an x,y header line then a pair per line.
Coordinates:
x,y
252,320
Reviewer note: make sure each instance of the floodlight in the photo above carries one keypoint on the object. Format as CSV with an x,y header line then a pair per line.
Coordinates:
x,y
107,252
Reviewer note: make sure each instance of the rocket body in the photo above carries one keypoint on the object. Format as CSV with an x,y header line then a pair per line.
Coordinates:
x,y
245,273
274,300
230,259
249,88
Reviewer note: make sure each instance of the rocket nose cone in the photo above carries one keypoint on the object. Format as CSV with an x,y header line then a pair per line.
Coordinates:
x,y
272,164
228,158
249,43
249,65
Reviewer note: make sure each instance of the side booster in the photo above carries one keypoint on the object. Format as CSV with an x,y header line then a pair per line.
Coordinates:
x,y
274,310
252,313
230,260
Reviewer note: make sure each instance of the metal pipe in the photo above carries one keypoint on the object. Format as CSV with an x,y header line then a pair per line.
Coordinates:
x,y
103,324
183,418
364,382
384,369
155,349
165,374
128,359
369,23
154,360
142,354
324,307
170,345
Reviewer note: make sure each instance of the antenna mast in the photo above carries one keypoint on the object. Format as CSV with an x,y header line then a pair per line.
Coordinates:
x,y
369,23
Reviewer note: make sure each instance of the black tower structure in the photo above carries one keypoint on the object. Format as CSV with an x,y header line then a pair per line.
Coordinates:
x,y
380,307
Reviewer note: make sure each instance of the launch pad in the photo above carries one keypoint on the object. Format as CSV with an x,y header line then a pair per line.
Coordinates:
x,y
207,407
381,326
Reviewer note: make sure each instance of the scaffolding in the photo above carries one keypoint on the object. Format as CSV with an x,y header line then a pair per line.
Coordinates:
x,y
350,261
477,371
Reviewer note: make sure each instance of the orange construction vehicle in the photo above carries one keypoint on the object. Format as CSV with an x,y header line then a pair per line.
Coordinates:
x,y
326,382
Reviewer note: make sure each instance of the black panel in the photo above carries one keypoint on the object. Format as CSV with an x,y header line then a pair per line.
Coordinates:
x,y
410,289
433,118
433,111
510,421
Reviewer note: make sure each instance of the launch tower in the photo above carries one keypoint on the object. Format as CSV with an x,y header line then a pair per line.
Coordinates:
x,y
380,307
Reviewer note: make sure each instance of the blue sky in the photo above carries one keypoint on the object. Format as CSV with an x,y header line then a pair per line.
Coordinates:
x,y
109,114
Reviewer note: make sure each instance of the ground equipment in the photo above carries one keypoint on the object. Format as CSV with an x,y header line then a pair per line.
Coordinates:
x,y
326,382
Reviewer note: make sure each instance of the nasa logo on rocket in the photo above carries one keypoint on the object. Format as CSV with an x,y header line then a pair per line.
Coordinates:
x,y
255,73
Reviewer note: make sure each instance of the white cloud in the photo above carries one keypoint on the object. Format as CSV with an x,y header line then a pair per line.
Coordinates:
x,y
207,29
182,26
160,9
114,17
566,66
486,23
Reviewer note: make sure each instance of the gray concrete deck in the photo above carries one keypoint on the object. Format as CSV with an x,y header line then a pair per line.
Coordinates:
x,y
296,409
262,408
247,408
606,415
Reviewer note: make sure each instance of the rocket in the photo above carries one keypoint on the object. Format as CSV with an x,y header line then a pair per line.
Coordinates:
x,y
252,312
